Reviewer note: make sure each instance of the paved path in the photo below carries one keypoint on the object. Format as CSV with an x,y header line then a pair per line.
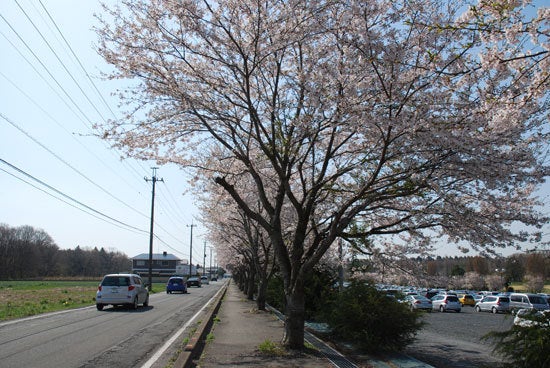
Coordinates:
x,y
239,332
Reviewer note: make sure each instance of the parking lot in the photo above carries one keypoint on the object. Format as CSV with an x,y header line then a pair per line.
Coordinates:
x,y
453,339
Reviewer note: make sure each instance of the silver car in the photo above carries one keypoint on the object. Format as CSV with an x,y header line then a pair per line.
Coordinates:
x,y
445,302
493,303
528,301
418,302
122,289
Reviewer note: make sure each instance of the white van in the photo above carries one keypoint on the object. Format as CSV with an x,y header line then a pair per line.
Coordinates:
x,y
527,301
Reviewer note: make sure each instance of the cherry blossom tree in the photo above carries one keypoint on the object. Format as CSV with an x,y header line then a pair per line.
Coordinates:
x,y
231,230
413,118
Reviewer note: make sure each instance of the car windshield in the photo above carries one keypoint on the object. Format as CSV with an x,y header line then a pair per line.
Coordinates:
x,y
451,298
505,300
115,281
176,281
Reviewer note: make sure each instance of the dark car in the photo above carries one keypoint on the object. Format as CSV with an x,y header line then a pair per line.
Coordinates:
x,y
176,284
194,281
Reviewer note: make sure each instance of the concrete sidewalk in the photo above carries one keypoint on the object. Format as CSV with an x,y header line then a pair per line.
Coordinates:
x,y
239,330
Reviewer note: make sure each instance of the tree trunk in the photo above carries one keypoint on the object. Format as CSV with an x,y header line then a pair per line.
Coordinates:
x,y
262,291
251,285
295,317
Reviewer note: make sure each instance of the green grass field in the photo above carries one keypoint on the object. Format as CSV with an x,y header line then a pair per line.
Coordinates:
x,y
27,298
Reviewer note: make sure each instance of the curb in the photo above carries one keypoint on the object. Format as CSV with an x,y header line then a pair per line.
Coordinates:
x,y
196,343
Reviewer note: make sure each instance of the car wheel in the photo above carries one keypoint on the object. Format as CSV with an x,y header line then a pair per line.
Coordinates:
x,y
458,310
494,310
441,309
146,302
478,309
99,307
135,304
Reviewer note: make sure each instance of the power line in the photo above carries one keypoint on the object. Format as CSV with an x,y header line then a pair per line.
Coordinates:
x,y
92,214
69,165
61,62
78,60
64,201
67,196
47,71
46,113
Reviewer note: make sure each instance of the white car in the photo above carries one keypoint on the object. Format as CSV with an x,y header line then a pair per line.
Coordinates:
x,y
121,289
204,280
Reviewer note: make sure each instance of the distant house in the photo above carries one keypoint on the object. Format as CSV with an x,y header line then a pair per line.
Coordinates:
x,y
163,264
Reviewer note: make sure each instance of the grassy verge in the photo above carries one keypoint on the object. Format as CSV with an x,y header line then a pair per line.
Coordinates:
x,y
27,298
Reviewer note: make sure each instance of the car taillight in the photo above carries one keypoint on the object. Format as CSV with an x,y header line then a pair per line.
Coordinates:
x,y
417,302
99,288
131,287
498,302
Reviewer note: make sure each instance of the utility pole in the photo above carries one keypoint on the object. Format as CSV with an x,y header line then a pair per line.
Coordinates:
x,y
191,248
204,259
154,180
210,268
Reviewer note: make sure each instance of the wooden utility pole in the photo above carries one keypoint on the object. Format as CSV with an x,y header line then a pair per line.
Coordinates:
x,y
191,249
154,180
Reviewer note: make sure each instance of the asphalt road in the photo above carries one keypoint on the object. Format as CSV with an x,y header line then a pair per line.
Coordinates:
x,y
454,340
86,337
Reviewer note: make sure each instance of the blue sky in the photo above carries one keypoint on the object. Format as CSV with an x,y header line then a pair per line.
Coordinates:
x,y
47,109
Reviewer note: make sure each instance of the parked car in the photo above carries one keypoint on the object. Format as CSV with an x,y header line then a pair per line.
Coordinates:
x,y
527,301
176,284
204,280
418,302
478,297
194,281
545,296
431,293
467,299
493,303
122,289
445,302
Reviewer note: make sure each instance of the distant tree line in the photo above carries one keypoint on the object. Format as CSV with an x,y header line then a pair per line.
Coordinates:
x,y
27,253
473,272
514,267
